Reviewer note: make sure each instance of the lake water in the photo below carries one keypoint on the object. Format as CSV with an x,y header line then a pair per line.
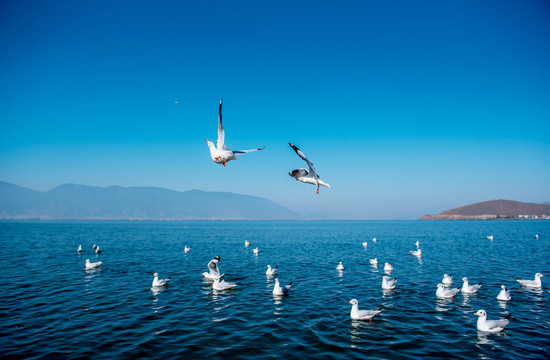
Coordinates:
x,y
51,307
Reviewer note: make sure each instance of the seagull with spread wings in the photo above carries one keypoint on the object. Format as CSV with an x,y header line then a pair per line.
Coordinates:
x,y
221,153
304,175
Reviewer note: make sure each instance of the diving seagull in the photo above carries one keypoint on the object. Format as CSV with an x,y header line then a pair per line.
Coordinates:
x,y
532,283
491,326
221,154
304,175
357,314
161,282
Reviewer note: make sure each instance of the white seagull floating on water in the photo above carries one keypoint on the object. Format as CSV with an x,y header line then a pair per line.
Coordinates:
x,y
357,314
340,267
365,243
304,175
186,249
504,294
222,285
491,326
532,283
246,243
79,248
417,243
469,289
388,267
255,251
388,283
373,261
447,280
271,271
444,293
490,237
374,240
417,253
281,291
213,271
97,250
161,282
92,265
222,154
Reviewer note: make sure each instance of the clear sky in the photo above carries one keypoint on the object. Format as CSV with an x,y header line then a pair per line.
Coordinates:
x,y
405,107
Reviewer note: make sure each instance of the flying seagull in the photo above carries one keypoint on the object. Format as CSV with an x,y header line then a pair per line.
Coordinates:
x,y
221,153
304,175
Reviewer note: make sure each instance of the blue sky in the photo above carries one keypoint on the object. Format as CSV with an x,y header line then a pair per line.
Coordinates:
x,y
405,108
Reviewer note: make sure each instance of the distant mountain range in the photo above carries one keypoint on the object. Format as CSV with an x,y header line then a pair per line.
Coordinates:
x,y
72,201
494,209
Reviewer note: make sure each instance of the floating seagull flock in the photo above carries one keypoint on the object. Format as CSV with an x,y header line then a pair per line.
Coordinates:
x,y
221,154
444,288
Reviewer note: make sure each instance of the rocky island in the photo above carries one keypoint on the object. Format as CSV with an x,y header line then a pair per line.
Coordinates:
x,y
494,209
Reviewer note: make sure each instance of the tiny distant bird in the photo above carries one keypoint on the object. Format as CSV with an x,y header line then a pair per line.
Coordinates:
x,y
490,237
186,249
388,267
221,154
357,314
246,243
79,248
373,261
491,326
255,251
304,175
340,267
97,250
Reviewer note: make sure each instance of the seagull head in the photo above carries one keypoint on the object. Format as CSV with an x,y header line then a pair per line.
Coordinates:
x,y
353,302
481,313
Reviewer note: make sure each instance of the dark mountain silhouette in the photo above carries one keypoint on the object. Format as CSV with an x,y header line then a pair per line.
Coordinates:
x,y
494,209
72,201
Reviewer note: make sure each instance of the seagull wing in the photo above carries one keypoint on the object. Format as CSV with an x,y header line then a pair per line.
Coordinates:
x,y
303,157
298,173
221,132
239,152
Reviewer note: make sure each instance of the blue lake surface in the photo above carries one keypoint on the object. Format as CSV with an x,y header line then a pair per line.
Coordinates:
x,y
51,307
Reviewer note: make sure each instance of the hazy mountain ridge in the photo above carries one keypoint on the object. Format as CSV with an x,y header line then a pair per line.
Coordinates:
x,y
494,209
71,201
